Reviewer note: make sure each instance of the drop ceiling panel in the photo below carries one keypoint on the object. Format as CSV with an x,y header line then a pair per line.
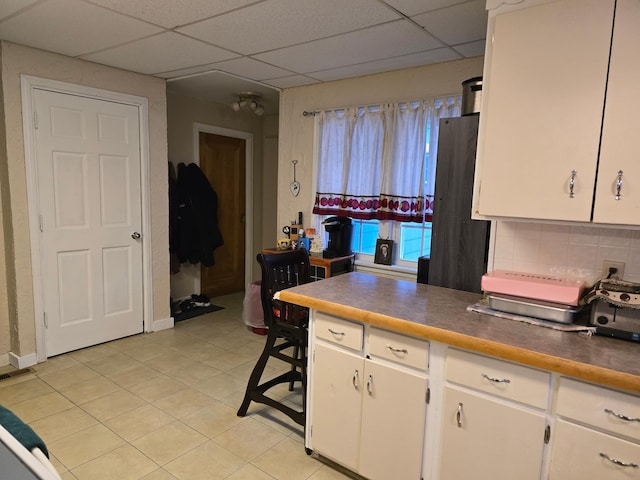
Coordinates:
x,y
471,49
388,64
250,68
375,43
279,23
414,7
8,7
458,24
243,45
291,81
72,27
226,88
160,53
172,13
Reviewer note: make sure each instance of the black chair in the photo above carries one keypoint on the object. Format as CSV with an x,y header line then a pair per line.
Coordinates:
x,y
287,337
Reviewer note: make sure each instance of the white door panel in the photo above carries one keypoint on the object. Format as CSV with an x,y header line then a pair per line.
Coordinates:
x,y
88,161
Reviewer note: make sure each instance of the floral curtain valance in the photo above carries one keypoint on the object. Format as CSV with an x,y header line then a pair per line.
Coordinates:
x,y
382,207
372,160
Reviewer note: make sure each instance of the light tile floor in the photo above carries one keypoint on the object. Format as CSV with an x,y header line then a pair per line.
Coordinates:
x,y
162,406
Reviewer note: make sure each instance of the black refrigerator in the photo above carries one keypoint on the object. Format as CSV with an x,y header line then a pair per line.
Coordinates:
x,y
459,245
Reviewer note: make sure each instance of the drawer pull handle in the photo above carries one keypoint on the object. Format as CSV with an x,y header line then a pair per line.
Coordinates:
x,y
619,185
572,183
618,462
355,380
495,380
459,415
370,385
620,416
398,350
337,334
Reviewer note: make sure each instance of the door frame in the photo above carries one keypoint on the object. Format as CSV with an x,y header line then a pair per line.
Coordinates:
x,y
248,183
28,84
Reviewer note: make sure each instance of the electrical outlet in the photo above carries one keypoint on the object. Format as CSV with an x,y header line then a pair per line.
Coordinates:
x,y
607,264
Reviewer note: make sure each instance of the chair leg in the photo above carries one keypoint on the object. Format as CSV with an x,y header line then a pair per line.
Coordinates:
x,y
296,352
256,374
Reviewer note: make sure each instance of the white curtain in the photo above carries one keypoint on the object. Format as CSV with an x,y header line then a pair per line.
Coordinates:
x,y
372,160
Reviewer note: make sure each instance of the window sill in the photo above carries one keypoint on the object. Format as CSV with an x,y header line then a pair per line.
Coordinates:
x,y
392,271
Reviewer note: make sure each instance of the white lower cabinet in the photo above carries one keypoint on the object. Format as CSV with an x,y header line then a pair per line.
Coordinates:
x,y
490,436
597,435
484,438
580,453
367,413
487,418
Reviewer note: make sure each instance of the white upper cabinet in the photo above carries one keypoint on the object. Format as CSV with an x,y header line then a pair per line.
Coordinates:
x,y
541,123
620,150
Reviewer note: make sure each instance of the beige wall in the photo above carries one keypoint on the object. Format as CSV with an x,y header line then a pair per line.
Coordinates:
x,y
297,131
16,245
183,113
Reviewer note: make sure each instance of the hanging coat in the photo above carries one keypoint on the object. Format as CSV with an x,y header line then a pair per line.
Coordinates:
x,y
198,231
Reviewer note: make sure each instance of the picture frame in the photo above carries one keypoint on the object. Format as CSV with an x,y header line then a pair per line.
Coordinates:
x,y
384,252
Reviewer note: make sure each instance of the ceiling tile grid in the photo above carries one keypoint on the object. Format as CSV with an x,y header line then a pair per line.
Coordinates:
x,y
237,44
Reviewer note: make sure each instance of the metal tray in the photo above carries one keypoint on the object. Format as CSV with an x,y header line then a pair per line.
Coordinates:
x,y
533,308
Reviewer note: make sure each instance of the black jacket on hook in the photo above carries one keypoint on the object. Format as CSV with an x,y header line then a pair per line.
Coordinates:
x,y
197,223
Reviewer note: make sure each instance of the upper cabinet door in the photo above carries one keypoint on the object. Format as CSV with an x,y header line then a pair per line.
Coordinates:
x,y
620,151
543,98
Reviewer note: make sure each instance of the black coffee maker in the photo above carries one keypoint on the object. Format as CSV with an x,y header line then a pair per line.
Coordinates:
x,y
340,230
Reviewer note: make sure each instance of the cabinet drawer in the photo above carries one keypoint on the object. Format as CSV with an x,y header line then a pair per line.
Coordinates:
x,y
599,407
579,453
398,348
339,331
508,380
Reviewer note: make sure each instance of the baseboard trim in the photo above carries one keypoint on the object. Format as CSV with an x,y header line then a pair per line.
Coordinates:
x,y
162,324
4,360
22,362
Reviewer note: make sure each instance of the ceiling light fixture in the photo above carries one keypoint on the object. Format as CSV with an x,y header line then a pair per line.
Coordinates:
x,y
250,100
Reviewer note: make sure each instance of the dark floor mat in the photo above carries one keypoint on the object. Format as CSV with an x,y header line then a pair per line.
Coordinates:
x,y
195,312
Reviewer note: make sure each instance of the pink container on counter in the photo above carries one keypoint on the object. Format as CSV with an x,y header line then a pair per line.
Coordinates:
x,y
533,285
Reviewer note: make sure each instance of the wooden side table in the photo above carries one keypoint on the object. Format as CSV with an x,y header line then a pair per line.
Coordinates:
x,y
325,267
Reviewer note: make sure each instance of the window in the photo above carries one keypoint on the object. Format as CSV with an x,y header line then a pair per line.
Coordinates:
x,y
376,175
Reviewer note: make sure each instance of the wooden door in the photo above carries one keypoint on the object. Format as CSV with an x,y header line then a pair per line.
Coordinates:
x,y
88,161
222,159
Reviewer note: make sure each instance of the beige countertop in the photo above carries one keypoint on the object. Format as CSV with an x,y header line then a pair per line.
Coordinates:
x,y
440,314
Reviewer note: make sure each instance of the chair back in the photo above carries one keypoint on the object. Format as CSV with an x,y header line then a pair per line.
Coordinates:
x,y
279,272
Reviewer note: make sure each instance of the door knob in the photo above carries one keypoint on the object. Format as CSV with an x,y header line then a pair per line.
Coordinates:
x,y
135,235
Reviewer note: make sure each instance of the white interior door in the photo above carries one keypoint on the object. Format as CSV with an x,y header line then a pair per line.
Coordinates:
x,y
88,163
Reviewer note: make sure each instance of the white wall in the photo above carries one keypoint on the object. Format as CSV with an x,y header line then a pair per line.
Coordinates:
x,y
566,251
16,245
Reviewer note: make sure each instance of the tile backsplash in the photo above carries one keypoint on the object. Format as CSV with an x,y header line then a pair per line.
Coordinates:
x,y
564,251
